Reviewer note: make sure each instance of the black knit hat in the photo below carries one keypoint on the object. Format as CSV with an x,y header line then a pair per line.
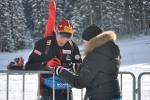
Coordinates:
x,y
91,32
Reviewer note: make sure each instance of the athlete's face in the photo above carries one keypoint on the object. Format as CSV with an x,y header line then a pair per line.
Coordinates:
x,y
61,41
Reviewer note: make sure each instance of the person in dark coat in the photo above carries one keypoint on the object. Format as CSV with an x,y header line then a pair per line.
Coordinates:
x,y
52,51
99,69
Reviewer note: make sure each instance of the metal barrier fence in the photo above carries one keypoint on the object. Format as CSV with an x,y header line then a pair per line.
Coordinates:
x,y
23,75
133,81
48,72
139,83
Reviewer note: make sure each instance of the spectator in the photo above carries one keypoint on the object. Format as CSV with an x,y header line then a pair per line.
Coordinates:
x,y
99,70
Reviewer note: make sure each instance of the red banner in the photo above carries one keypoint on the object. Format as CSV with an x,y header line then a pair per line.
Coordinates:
x,y
50,26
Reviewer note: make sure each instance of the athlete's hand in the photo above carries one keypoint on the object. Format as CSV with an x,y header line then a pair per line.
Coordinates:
x,y
53,62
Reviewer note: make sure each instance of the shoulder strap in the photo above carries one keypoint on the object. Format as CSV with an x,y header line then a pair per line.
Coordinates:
x,y
48,43
71,44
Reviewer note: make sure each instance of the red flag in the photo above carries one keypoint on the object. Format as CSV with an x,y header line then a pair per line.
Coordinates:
x,y
50,26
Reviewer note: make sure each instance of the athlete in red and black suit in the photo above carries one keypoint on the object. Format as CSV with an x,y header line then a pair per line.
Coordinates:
x,y
54,51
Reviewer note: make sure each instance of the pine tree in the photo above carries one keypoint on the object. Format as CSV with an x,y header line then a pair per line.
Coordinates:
x,y
59,10
112,14
18,24
6,40
28,10
64,9
87,11
78,20
68,8
40,16
146,16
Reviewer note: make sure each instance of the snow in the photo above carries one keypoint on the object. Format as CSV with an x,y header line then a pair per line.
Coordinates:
x,y
135,59
135,50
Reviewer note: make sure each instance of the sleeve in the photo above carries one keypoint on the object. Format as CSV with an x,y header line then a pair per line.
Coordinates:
x,y
35,59
89,69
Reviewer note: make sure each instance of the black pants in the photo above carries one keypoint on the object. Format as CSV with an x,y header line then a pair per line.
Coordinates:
x,y
47,94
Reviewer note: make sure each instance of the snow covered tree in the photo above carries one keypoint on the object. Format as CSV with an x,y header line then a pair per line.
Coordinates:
x,y
111,14
78,20
40,16
14,33
6,40
144,9
28,10
64,9
21,19
36,14
131,17
68,8
18,24
87,11
59,10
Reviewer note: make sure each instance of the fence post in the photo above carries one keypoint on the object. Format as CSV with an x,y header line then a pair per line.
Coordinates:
x,y
7,95
139,83
134,82
121,83
23,97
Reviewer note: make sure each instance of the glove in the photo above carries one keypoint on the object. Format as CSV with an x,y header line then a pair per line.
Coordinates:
x,y
53,63
17,64
19,61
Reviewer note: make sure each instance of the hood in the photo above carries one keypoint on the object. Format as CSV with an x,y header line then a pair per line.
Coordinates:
x,y
99,40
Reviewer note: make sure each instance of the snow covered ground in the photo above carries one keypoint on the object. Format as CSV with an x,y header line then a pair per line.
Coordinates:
x,y
135,58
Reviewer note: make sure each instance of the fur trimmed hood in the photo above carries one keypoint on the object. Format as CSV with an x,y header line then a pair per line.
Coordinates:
x,y
99,40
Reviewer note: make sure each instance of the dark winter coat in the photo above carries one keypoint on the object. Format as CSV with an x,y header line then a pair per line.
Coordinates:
x,y
99,69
